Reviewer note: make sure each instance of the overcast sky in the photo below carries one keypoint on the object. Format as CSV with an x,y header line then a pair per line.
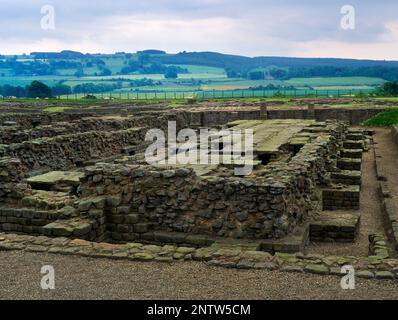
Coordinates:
x,y
302,28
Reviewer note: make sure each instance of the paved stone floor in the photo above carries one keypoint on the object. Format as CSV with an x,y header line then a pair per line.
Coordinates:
x,y
85,278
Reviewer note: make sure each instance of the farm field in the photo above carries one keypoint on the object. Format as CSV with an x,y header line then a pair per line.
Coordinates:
x,y
200,81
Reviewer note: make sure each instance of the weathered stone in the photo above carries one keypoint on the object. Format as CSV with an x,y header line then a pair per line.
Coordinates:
x,y
384,275
292,268
365,274
316,268
143,256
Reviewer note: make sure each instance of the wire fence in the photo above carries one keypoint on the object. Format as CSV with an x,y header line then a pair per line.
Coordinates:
x,y
218,94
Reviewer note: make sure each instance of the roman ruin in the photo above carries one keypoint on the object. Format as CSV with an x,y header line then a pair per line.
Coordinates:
x,y
78,182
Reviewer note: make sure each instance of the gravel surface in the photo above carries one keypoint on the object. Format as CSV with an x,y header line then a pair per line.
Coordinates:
x,y
85,278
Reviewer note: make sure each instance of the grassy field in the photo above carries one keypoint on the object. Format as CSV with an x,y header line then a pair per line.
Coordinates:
x,y
387,118
205,81
335,81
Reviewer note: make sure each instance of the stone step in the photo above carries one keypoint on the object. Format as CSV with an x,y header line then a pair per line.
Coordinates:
x,y
346,198
79,227
25,220
355,136
335,226
180,238
353,144
294,242
366,132
347,177
351,153
349,164
56,181
48,200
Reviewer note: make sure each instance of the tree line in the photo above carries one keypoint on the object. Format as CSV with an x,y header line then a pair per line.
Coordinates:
x,y
39,89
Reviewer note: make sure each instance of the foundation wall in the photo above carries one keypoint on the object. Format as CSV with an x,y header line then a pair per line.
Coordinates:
x,y
139,200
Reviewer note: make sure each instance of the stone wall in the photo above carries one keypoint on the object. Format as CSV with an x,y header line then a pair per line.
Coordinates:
x,y
13,185
352,116
65,151
341,199
138,200
17,134
25,220
31,120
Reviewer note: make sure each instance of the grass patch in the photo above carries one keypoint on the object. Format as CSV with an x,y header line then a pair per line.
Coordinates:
x,y
387,118
57,109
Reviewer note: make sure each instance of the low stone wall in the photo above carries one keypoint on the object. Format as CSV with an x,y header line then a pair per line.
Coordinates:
x,y
10,135
24,220
347,177
16,134
374,266
13,185
138,200
65,151
353,116
341,199
31,120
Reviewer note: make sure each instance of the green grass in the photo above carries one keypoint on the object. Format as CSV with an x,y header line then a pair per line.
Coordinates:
x,y
57,109
335,81
200,69
387,98
387,118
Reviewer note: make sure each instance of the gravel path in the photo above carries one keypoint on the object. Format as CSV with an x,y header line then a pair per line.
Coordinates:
x,y
372,220
85,278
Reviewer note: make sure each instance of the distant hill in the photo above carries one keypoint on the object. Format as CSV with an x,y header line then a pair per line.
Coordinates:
x,y
153,61
243,65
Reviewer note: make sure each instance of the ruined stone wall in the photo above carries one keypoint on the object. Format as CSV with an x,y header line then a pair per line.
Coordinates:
x,y
65,151
16,134
138,200
25,220
13,185
352,116
9,135
31,120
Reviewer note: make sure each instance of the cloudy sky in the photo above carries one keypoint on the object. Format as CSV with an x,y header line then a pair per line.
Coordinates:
x,y
301,28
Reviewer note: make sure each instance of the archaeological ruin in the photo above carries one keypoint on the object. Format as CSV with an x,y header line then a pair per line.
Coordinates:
x,y
77,182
